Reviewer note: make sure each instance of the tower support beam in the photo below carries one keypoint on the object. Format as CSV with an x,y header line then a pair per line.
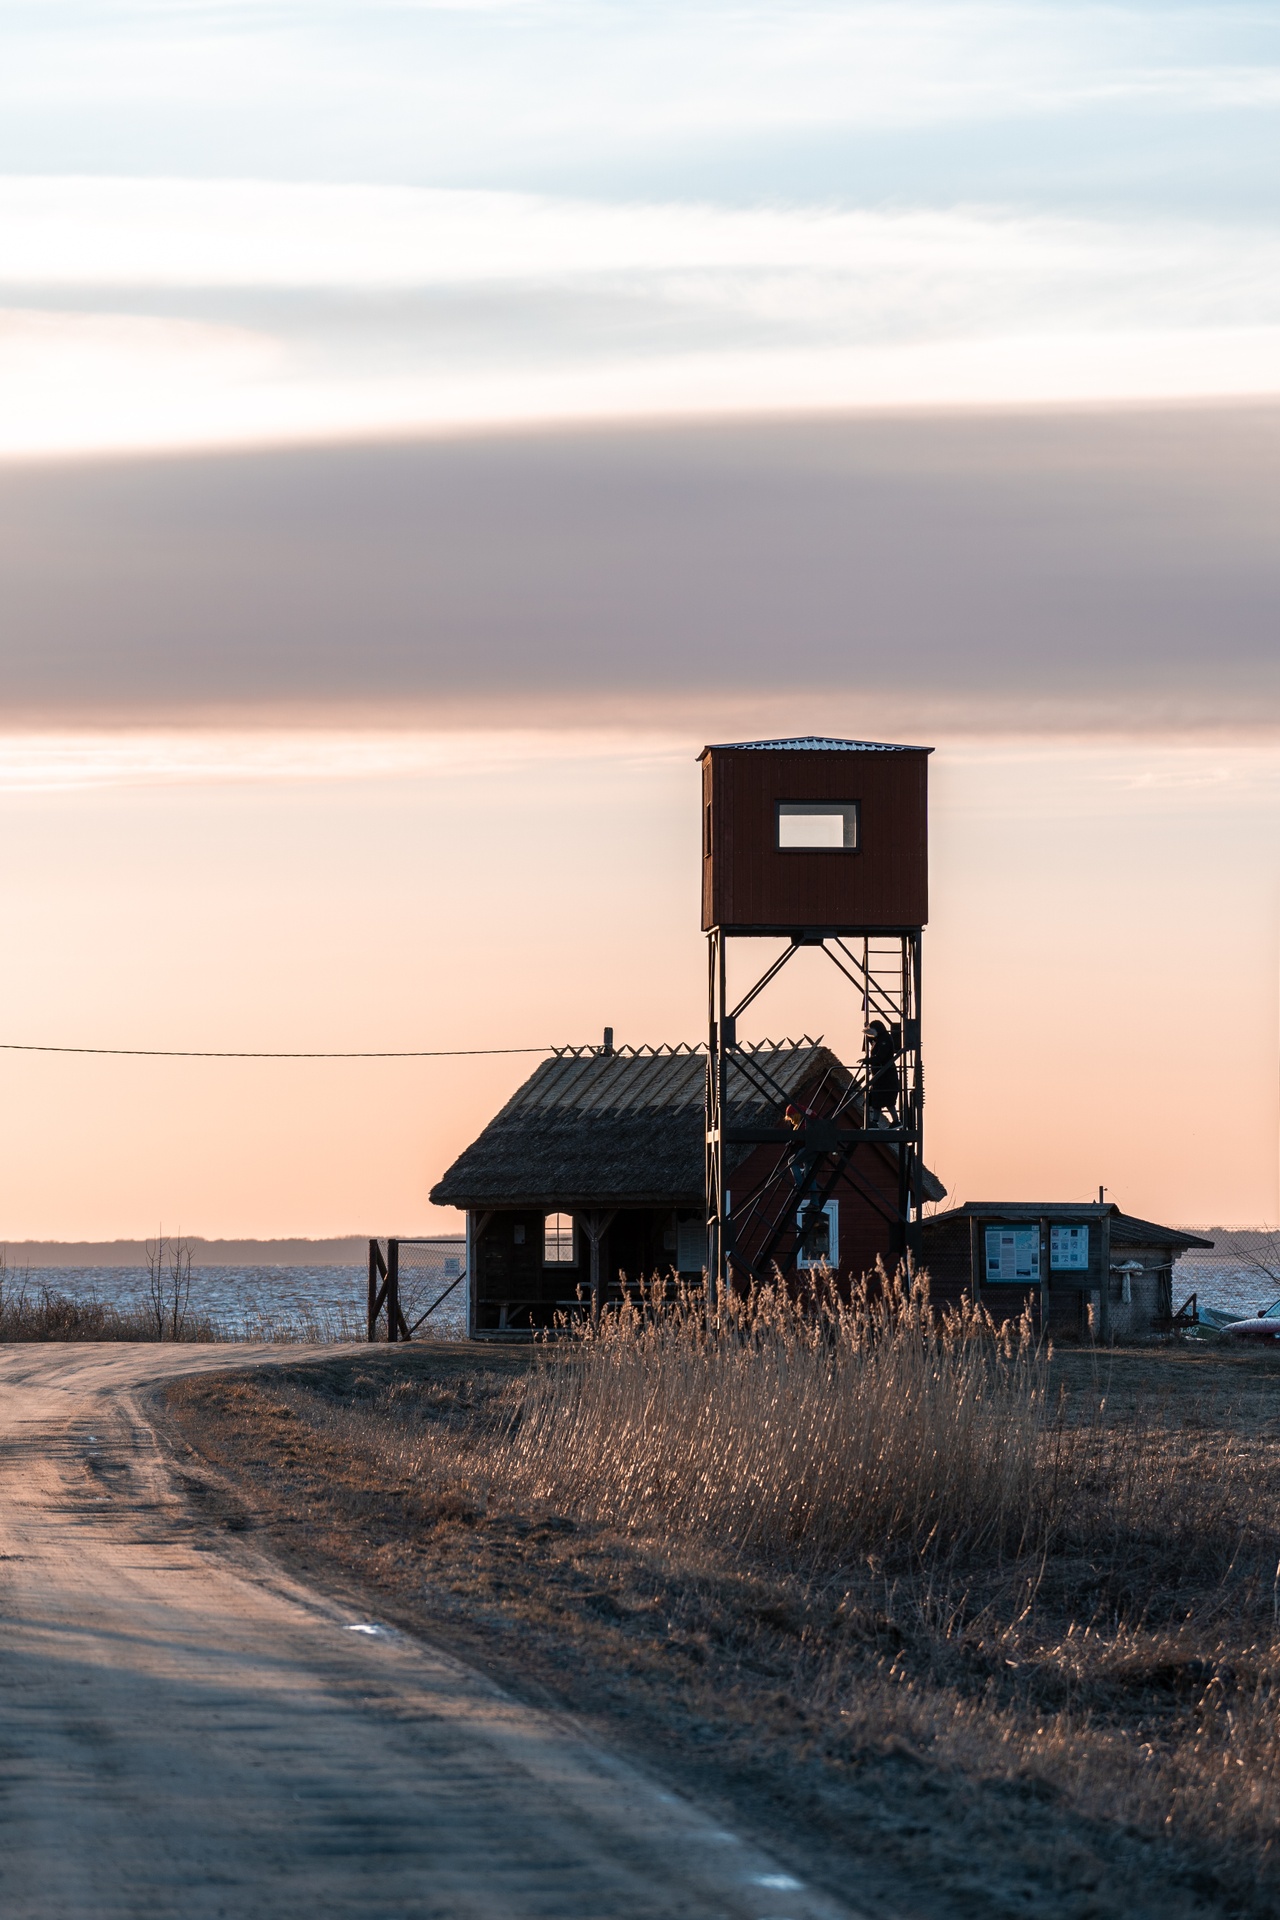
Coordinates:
x,y
884,1107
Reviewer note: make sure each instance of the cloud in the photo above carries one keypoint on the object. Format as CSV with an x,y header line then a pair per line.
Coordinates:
x,y
100,231
1113,568
89,761
524,79
163,313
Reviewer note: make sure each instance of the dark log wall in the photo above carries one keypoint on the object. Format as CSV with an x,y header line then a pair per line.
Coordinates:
x,y
510,1275
946,1258
513,1289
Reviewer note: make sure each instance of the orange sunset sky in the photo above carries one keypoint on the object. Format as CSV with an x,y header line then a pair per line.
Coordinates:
x,y
1100,967
423,428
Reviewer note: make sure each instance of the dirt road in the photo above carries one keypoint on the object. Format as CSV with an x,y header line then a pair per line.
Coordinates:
x,y
186,1731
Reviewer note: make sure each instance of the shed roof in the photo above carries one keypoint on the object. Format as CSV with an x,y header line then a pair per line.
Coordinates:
x,y
591,1129
1126,1228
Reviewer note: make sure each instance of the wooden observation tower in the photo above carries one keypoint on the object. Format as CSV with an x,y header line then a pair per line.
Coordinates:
x,y
824,844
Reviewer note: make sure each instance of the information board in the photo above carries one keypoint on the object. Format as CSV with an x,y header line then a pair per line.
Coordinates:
x,y
1013,1253
1069,1249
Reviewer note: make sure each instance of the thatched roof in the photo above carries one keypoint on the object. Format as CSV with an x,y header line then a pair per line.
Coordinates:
x,y
607,1130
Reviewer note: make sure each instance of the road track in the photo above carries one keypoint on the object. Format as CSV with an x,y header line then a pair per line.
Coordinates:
x,y
187,1731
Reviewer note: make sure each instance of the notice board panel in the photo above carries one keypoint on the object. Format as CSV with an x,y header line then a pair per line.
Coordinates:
x,y
1069,1247
1012,1256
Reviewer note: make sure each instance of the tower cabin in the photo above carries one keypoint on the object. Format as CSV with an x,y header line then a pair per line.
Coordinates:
x,y
815,836
591,1177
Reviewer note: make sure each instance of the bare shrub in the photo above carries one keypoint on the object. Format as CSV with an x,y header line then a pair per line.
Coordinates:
x,y
42,1313
178,1291
168,1288
167,1296
35,1311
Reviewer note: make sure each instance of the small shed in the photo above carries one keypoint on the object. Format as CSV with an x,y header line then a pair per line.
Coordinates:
x,y
596,1168
1085,1269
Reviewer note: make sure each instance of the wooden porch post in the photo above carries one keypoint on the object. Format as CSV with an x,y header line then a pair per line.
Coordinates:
x,y
595,1226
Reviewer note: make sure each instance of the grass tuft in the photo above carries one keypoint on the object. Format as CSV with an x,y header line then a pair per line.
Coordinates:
x,y
813,1430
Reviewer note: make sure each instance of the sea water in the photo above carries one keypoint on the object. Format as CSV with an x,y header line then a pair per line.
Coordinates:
x,y
330,1301
1222,1283
259,1302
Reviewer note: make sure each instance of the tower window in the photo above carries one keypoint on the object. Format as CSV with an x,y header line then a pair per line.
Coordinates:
x,y
558,1248
822,826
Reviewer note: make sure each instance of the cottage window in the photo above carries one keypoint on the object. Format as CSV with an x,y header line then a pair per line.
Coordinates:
x,y
691,1246
820,1235
821,826
558,1247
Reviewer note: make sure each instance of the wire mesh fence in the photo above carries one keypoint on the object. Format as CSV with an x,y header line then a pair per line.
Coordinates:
x,y
431,1282
1240,1276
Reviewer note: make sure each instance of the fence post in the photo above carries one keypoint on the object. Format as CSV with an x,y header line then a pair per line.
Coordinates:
x,y
377,1271
397,1325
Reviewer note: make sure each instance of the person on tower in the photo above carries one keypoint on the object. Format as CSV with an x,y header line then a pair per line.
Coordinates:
x,y
882,1047
797,1160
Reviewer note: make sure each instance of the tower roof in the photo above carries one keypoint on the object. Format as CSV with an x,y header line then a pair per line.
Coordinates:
x,y
810,743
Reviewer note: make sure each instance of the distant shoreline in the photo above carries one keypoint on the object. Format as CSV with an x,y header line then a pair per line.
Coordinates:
x,y
349,1250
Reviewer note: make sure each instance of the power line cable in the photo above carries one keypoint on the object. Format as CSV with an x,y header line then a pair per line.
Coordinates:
x,y
193,1053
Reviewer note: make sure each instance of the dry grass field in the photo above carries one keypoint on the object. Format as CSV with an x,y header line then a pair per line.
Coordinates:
x,y
957,1628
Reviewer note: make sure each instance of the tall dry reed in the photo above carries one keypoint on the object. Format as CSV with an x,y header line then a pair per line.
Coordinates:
x,y
295,1326
810,1429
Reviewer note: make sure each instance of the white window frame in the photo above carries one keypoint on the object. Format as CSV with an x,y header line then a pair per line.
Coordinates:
x,y
687,1229
849,812
572,1260
832,1258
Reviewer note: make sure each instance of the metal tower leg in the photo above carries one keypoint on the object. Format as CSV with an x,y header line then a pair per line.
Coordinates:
x,y
719,1035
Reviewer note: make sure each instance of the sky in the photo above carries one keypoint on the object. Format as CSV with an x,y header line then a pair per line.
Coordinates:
x,y
231,223
422,427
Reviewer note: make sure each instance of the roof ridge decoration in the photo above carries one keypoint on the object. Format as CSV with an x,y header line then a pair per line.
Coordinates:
x,y
643,1050
682,1049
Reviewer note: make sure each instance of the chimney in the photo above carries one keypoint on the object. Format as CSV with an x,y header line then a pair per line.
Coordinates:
x,y
607,1048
